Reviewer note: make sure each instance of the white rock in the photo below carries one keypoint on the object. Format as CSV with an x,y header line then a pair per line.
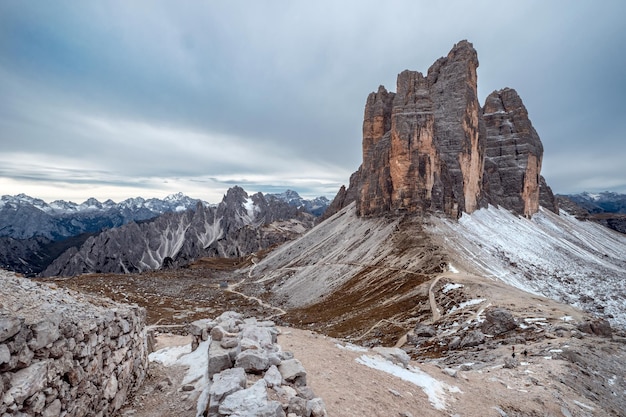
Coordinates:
x,y
293,371
28,381
395,355
316,408
272,377
246,402
253,361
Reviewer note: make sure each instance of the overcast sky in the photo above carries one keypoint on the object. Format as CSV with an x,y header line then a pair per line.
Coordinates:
x,y
115,99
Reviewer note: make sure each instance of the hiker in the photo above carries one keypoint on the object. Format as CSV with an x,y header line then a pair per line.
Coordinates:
x,y
513,349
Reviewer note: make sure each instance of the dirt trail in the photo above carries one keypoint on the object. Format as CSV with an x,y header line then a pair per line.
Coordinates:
x,y
231,289
431,299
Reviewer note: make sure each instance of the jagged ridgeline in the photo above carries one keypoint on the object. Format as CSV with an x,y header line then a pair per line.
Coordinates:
x,y
239,225
430,146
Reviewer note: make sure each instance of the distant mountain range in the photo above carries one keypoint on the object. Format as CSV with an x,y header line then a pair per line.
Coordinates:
x,y
23,217
33,233
316,207
607,208
604,202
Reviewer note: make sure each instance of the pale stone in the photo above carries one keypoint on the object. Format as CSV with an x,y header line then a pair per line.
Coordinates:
x,y
53,409
252,361
293,371
219,359
111,387
394,355
9,326
5,354
224,384
272,377
245,402
262,335
28,381
316,408
217,333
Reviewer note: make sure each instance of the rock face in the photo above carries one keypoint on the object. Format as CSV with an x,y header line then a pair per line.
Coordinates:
x,y
513,153
431,147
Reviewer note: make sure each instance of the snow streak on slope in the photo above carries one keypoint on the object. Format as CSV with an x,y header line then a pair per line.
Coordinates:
x,y
326,256
579,263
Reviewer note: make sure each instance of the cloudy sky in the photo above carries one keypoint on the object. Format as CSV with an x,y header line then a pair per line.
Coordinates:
x,y
115,99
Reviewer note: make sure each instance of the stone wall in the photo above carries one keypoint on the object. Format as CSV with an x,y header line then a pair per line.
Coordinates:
x,y
66,354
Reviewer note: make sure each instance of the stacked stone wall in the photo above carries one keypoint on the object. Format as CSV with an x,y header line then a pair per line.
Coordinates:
x,y
66,354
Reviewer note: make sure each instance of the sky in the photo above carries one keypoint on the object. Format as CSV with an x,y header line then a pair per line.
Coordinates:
x,y
118,99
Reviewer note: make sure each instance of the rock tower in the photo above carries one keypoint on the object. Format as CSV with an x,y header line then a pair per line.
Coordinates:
x,y
431,147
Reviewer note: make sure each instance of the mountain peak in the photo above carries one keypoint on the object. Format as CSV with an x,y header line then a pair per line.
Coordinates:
x,y
431,147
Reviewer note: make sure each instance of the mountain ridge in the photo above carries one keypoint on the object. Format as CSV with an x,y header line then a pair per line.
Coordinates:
x,y
239,225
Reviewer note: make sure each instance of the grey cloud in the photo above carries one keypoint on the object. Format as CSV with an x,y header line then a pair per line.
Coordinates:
x,y
279,85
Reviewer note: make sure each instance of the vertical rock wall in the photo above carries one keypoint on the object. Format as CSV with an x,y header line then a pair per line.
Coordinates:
x,y
66,354
431,147
514,151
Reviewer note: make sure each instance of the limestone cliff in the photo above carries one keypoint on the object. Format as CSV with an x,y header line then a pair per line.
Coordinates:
x,y
431,147
514,153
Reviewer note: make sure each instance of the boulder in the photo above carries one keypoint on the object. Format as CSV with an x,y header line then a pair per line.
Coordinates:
x,y
262,335
293,371
423,330
219,359
297,406
217,333
253,361
5,354
498,321
252,401
9,326
225,383
316,408
26,382
394,355
272,377
44,333
472,338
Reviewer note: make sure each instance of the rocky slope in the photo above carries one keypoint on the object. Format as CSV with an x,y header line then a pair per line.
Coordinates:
x,y
430,146
239,225
34,233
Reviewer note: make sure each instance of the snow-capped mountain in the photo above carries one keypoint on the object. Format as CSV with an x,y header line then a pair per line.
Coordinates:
x,y
606,208
239,225
23,217
316,207
603,202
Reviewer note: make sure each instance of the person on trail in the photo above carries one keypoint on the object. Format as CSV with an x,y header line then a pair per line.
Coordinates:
x,y
513,349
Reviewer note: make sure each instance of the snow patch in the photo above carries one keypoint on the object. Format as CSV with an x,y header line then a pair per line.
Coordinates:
x,y
433,388
197,364
351,347
466,304
452,269
450,287
585,258
169,355
583,405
